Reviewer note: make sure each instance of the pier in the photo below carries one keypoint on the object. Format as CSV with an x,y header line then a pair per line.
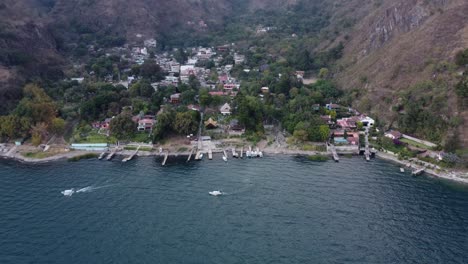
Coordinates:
x,y
242,153
112,154
210,154
165,158
418,171
102,155
367,151
333,151
190,155
131,156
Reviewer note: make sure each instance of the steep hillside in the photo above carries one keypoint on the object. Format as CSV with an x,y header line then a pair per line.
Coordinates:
x,y
395,50
27,50
400,45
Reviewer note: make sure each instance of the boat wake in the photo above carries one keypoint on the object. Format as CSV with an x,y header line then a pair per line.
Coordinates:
x,y
91,188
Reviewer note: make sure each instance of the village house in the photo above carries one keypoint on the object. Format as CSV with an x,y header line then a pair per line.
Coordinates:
x,y
205,53
193,107
225,109
102,125
211,124
349,123
300,74
223,48
150,43
331,106
238,59
235,127
146,124
393,134
175,98
265,90
367,121
327,119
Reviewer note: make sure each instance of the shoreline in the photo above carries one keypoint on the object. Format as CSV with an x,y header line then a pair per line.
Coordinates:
x,y
456,176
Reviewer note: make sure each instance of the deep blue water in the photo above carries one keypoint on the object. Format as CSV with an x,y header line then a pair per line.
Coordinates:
x,y
278,209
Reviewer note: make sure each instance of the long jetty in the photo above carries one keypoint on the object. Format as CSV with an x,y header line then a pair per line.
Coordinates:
x,y
112,153
190,155
165,158
131,156
335,155
366,150
210,154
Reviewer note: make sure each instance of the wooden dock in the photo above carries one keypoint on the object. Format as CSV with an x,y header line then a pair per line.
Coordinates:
x,y
112,154
102,155
418,172
190,155
131,156
165,158
333,151
367,151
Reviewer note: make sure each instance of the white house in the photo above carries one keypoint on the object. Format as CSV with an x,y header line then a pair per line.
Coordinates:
x,y
367,121
225,109
393,134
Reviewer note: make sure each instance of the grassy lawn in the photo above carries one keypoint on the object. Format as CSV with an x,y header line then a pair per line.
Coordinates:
x,y
37,155
141,148
94,137
141,137
414,143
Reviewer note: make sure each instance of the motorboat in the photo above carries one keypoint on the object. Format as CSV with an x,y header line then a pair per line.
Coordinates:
x,y
215,193
201,156
224,158
402,170
68,192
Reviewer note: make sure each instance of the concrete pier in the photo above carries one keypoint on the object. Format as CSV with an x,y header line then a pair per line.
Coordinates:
x,y
131,156
165,158
333,151
190,155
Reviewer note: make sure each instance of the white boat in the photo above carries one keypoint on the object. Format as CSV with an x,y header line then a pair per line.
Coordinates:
x,y
402,170
68,192
224,158
215,193
201,156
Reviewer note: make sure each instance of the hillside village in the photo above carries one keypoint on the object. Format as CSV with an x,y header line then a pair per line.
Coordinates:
x,y
196,90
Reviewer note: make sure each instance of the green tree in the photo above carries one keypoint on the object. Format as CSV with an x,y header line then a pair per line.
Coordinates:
x,y
324,132
186,123
323,73
57,126
122,126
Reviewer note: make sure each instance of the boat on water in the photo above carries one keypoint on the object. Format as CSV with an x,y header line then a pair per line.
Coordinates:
x,y
201,156
402,170
215,193
224,158
68,192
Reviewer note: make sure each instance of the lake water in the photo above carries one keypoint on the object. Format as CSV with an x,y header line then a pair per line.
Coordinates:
x,y
279,209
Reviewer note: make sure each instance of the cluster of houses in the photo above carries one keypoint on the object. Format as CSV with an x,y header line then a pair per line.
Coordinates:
x,y
345,130
142,123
